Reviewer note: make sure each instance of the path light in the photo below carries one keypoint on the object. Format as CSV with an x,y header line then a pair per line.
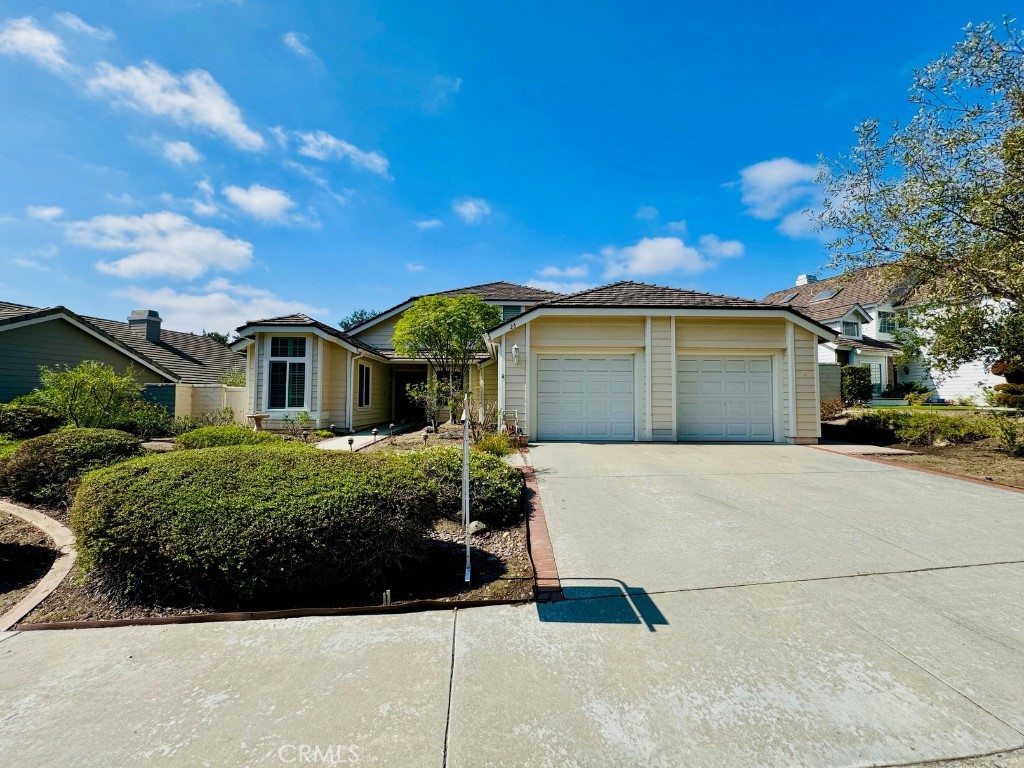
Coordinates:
x,y
425,438
391,430
374,433
305,435
350,441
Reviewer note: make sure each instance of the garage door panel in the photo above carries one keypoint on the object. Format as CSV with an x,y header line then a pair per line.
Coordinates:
x,y
587,398
725,398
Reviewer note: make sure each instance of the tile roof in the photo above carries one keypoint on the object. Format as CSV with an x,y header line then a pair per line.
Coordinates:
x,y
867,342
500,291
865,286
187,357
305,321
627,293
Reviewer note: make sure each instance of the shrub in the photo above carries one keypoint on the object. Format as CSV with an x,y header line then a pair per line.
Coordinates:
x,y
917,428
495,488
7,446
234,434
1012,372
221,418
91,394
230,525
496,443
22,420
145,420
297,424
1009,433
233,378
832,409
43,470
917,399
1009,395
855,383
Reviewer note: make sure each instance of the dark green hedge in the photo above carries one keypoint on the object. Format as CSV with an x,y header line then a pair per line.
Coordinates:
x,y
235,434
227,526
855,383
43,470
913,427
22,420
495,488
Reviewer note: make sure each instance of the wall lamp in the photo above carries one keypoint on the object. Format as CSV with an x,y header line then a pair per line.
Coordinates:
x,y
515,354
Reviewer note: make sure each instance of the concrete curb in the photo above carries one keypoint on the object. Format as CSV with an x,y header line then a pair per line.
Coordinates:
x,y
63,539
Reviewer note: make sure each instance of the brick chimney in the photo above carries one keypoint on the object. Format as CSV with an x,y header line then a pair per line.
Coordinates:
x,y
805,279
145,323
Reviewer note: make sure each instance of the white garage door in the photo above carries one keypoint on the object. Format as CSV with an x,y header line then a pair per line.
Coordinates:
x,y
725,398
585,397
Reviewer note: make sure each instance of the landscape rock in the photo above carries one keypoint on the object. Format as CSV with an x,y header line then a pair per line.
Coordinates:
x,y
476,527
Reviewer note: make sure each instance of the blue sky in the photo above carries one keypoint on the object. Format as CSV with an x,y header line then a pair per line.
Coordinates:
x,y
225,161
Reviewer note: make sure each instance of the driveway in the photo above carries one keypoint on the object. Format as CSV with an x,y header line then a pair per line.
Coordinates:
x,y
716,618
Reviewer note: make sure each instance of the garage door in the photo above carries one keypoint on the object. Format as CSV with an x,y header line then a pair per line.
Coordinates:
x,y
585,397
725,398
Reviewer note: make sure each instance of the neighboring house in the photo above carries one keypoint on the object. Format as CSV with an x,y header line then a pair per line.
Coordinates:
x,y
33,336
866,313
626,361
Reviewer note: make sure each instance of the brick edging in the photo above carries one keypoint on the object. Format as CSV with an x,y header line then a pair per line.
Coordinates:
x,y
548,587
877,459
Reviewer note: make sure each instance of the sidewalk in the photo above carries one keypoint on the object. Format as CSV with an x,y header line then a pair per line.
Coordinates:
x,y
360,439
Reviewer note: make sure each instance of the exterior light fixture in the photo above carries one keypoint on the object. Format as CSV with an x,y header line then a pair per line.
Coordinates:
x,y
350,441
425,438
515,354
391,430
374,433
305,435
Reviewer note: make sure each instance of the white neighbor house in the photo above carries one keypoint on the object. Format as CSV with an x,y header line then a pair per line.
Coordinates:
x,y
865,313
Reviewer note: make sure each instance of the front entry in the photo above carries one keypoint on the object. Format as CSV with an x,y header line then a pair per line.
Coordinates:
x,y
405,410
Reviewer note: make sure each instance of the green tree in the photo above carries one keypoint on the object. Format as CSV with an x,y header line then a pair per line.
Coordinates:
x,y
938,203
91,394
223,338
447,331
356,317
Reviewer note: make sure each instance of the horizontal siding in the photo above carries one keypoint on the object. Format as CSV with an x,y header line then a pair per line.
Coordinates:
x,y
968,380
728,333
379,410
51,343
335,386
515,374
662,377
808,410
587,332
379,335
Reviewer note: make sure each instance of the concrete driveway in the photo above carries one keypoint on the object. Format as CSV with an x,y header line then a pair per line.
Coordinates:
x,y
743,636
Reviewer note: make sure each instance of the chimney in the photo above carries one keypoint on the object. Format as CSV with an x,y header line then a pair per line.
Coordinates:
x,y
805,279
145,323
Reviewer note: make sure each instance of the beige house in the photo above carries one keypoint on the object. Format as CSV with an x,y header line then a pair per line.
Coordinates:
x,y
625,362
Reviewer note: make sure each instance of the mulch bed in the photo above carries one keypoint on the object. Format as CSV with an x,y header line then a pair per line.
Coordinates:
x,y
981,461
26,554
446,434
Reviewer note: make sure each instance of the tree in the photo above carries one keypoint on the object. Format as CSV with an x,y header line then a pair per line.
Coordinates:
x,y
447,331
358,316
938,203
91,394
217,336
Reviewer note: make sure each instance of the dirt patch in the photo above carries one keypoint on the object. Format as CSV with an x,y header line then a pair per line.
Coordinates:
x,y
501,571
26,554
447,434
979,460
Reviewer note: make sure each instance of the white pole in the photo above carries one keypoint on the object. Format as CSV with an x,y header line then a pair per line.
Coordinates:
x,y
465,479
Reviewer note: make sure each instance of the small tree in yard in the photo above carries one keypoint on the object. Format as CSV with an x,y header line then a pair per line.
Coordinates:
x,y
855,383
938,203
447,331
433,397
91,394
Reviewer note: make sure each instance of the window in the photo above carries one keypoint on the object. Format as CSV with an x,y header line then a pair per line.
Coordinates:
x,y
876,378
508,312
888,322
851,329
364,386
789,297
831,293
287,380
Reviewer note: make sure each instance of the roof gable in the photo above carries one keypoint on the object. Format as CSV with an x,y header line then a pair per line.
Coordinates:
x,y
300,321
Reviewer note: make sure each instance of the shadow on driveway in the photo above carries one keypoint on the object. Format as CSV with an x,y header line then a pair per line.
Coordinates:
x,y
614,603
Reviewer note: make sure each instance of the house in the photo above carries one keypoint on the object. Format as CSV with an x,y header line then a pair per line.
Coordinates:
x,y
866,313
626,361
172,364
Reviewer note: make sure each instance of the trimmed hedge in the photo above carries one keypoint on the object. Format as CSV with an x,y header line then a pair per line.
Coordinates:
x,y
43,470
917,428
495,488
1009,395
855,383
230,525
234,434
22,420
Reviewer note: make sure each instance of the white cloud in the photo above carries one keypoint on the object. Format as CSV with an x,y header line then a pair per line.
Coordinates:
x,y
646,213
770,187
75,24
262,202
123,199
678,227
296,41
22,37
280,135
321,145
163,243
412,267
653,256
36,259
472,210
578,271
220,305
44,212
181,152
342,198
439,92
427,223
715,247
558,286
800,224
193,99
203,203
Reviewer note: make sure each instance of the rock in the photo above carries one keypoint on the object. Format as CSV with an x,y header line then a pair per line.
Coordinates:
x,y
158,446
476,527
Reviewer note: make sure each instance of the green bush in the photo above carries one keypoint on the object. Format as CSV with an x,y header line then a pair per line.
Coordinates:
x,y
22,420
44,470
235,434
230,525
855,383
917,428
145,420
91,394
495,488
496,443
1009,395
1009,433
222,418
